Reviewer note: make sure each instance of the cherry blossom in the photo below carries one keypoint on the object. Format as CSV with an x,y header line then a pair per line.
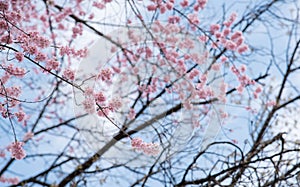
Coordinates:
x,y
147,148
16,150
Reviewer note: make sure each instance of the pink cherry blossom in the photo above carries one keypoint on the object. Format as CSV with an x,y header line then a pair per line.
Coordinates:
x,y
214,28
99,5
147,148
2,154
52,64
131,114
4,5
271,103
258,89
115,104
19,56
10,180
20,115
152,7
224,59
216,66
243,48
240,89
105,74
169,5
201,3
243,68
136,142
16,150
28,136
230,45
236,35
99,97
226,31
231,19
69,74
194,18
184,3
40,57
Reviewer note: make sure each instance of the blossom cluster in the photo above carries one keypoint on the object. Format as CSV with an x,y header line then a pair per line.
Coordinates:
x,y
233,41
147,148
10,180
94,100
17,150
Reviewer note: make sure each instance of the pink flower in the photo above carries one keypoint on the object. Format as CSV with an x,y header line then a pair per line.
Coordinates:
x,y
99,5
194,18
216,66
226,31
214,28
203,38
28,136
152,7
42,42
169,5
11,180
116,69
218,34
162,9
32,50
224,59
203,78
187,105
20,115
147,148
6,39
255,95
3,25
103,112
115,104
230,45
243,48
14,91
194,73
19,56
131,114
2,154
202,3
99,97
234,70
232,18
40,57
16,150
69,74
105,75
89,105
65,50
173,19
4,5
150,148
223,87
271,103
136,143
236,35
52,64
107,1
77,30
258,89
243,68
240,89
184,3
